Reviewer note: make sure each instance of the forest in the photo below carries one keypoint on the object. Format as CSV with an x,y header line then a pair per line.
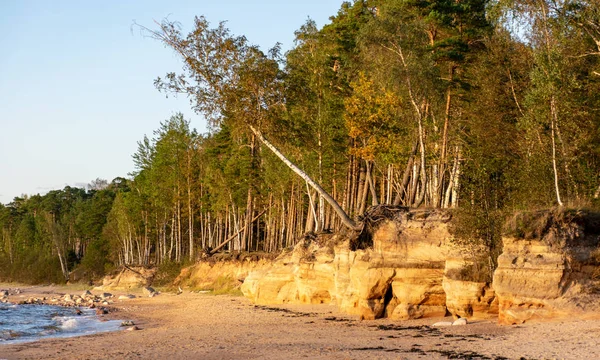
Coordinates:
x,y
482,107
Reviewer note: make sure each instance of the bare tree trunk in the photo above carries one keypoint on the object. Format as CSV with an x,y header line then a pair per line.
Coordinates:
x,y
321,214
383,186
190,211
446,202
423,169
347,191
435,194
311,216
456,180
371,184
406,176
360,186
444,149
554,167
365,191
346,220
63,263
414,183
353,185
220,246
390,176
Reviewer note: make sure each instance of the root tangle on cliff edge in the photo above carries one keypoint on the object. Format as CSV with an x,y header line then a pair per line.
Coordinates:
x,y
363,238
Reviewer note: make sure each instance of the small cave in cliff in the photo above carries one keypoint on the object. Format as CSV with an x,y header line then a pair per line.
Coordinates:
x,y
387,299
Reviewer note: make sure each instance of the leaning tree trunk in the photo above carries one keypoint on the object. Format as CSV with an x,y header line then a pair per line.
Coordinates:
x,y
346,220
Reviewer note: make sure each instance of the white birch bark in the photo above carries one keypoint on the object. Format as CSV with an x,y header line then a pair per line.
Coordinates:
x,y
346,220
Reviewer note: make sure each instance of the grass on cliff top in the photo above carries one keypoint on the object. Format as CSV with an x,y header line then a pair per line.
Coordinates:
x,y
536,224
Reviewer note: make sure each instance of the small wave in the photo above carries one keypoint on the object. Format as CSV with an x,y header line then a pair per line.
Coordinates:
x,y
49,330
32,322
10,335
69,324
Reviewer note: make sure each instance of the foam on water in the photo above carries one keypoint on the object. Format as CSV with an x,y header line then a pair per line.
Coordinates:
x,y
21,323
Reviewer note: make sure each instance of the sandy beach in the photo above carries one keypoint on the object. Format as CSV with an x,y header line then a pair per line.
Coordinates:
x,y
203,326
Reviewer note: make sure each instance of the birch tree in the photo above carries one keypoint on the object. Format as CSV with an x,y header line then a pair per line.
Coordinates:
x,y
225,76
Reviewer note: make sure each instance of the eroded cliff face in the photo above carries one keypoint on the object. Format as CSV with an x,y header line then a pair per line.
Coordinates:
x,y
204,275
401,276
467,298
551,274
413,270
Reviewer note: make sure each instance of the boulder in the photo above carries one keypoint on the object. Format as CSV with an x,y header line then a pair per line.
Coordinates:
x,y
460,322
149,291
128,278
101,311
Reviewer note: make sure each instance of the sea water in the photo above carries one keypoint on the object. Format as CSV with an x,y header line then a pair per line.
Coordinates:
x,y
21,323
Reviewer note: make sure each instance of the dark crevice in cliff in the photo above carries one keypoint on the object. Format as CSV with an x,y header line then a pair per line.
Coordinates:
x,y
387,298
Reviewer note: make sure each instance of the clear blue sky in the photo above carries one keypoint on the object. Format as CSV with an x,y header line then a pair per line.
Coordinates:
x,y
76,83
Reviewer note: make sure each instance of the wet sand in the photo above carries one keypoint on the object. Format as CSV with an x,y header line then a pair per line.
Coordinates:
x,y
202,326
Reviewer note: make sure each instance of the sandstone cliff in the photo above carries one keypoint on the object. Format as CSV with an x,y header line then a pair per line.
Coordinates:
x,y
401,276
413,269
549,267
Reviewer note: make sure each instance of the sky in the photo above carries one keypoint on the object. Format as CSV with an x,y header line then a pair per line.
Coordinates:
x,y
76,80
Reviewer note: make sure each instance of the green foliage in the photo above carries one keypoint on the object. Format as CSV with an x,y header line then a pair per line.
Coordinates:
x,y
96,263
167,272
477,232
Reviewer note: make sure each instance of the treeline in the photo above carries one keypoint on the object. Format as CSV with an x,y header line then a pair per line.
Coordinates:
x,y
483,106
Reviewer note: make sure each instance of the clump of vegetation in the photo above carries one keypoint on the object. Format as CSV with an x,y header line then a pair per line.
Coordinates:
x,y
567,224
167,272
221,285
478,234
33,268
478,271
225,285
241,256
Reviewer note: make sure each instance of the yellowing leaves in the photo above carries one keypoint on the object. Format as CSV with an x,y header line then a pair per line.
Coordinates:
x,y
372,117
